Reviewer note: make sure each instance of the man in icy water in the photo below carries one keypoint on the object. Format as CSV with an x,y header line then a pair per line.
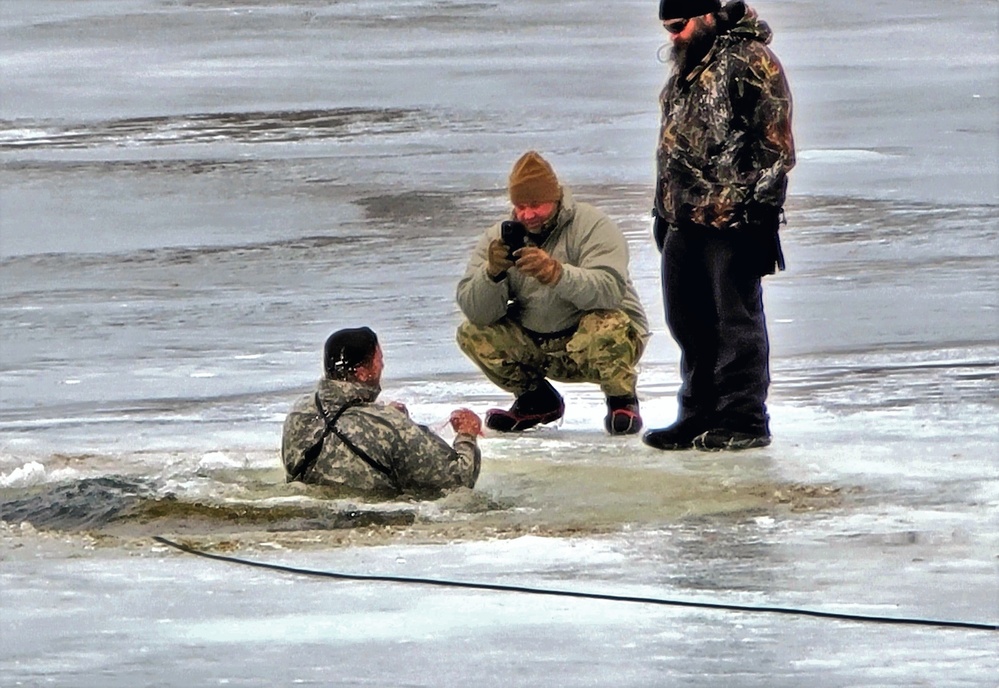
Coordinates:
x,y
547,295
339,435
724,151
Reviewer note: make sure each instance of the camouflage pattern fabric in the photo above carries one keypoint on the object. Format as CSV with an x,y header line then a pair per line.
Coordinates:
x,y
416,460
725,143
603,350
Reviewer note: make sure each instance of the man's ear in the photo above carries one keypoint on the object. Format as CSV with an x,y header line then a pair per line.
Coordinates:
x,y
364,373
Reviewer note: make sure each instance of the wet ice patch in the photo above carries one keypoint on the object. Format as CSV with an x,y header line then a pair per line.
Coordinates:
x,y
837,156
543,551
220,461
440,614
211,128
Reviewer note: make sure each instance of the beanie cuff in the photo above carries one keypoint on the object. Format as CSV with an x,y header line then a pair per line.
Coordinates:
x,y
535,193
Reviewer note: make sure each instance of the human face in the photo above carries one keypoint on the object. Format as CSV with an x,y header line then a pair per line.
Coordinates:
x,y
535,217
683,31
378,363
691,42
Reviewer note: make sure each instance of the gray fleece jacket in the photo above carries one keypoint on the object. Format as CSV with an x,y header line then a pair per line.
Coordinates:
x,y
594,257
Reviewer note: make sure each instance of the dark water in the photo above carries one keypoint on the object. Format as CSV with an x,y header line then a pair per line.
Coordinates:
x,y
108,503
79,505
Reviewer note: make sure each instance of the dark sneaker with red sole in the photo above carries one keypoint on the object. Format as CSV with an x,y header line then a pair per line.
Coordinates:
x,y
623,417
514,421
537,407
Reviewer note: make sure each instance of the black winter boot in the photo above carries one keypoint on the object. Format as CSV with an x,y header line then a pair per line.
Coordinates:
x,y
540,405
678,436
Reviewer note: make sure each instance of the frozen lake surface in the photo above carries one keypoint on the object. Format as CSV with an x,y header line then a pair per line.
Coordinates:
x,y
194,194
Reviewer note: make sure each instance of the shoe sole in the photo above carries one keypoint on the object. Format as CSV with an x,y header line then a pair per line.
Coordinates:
x,y
634,423
502,421
705,444
675,446
614,432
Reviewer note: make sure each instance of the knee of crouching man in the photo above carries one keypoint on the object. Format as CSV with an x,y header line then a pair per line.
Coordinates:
x,y
466,335
604,323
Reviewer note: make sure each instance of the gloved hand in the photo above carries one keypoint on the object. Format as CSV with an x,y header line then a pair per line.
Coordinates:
x,y
536,263
498,262
761,214
465,422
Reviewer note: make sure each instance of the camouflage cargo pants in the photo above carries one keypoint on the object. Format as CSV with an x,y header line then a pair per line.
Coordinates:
x,y
604,350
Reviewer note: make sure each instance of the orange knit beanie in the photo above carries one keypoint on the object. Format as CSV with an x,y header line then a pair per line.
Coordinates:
x,y
533,181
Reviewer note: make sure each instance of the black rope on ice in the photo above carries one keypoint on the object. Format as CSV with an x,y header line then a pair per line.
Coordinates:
x,y
580,595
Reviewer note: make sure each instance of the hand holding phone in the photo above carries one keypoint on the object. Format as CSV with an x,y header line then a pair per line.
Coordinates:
x,y
514,235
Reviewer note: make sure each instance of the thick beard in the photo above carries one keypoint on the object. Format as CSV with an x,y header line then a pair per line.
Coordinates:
x,y
688,55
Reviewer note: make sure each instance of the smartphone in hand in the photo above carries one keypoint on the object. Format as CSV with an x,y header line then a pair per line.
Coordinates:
x,y
513,234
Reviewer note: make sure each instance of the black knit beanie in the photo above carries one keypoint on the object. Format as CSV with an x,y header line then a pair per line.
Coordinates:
x,y
685,9
347,349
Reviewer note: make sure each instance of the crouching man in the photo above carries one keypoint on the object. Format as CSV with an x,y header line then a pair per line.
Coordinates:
x,y
547,295
340,436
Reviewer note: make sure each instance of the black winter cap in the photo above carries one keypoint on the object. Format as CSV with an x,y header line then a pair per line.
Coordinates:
x,y
346,349
685,9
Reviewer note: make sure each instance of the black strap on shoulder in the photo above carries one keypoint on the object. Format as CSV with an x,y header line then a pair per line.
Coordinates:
x,y
312,454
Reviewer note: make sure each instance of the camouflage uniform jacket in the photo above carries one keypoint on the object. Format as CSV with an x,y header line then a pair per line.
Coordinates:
x,y
725,143
406,457
594,257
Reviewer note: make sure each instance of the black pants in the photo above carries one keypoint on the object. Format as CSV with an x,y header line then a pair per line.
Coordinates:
x,y
714,310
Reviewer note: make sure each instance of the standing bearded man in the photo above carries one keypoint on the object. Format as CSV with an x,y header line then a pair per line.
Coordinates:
x,y
725,148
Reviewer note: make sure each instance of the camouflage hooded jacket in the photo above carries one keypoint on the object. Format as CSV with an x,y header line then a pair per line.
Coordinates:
x,y
594,256
371,447
725,143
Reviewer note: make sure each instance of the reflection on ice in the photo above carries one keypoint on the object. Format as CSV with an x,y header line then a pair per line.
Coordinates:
x,y
834,156
215,128
438,621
